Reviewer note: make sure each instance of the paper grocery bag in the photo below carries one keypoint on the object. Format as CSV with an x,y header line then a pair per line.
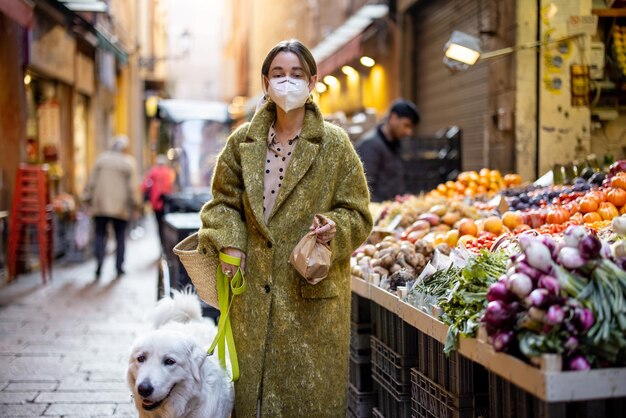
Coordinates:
x,y
311,259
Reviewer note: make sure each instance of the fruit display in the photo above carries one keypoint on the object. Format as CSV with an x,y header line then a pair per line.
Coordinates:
x,y
543,268
472,183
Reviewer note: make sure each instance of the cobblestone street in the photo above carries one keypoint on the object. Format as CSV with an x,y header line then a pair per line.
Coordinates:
x,y
64,345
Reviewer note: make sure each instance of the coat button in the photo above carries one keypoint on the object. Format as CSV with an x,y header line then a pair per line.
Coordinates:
x,y
269,244
204,250
267,288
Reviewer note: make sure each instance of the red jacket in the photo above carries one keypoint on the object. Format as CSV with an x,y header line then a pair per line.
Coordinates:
x,y
160,181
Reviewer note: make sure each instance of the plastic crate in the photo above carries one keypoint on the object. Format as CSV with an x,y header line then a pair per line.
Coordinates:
x,y
360,310
430,400
454,372
390,405
392,331
361,372
360,337
391,369
360,403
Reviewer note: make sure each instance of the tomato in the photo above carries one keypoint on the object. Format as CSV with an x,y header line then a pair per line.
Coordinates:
x,y
557,215
617,196
608,211
588,204
619,180
592,217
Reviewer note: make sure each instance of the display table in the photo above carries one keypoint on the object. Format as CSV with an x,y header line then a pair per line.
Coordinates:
x,y
550,387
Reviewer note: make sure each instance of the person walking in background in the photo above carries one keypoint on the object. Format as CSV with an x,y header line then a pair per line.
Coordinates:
x,y
112,195
275,174
158,183
379,150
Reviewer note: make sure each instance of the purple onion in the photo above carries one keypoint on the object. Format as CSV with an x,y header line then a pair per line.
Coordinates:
x,y
573,235
536,313
550,243
578,363
502,340
520,284
571,344
533,273
550,283
605,251
538,255
555,315
540,298
590,247
498,291
498,313
584,319
571,258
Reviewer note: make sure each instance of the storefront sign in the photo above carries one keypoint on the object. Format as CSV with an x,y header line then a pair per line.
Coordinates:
x,y
85,80
49,124
52,50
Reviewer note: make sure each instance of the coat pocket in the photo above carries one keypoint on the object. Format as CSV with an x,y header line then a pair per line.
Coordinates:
x,y
323,290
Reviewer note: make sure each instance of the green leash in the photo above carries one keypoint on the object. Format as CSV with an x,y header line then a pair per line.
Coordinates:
x,y
224,335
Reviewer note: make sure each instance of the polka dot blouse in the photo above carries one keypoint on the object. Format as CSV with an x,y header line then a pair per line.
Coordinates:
x,y
276,162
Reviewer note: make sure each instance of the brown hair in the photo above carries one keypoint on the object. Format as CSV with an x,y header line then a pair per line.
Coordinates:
x,y
293,45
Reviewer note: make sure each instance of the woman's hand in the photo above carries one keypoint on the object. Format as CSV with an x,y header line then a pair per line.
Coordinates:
x,y
229,269
325,229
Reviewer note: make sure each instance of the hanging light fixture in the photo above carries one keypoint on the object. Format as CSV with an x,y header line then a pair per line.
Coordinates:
x,y
320,87
463,50
367,61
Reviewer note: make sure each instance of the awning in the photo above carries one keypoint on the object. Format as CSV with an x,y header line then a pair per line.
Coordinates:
x,y
344,43
105,43
175,110
20,11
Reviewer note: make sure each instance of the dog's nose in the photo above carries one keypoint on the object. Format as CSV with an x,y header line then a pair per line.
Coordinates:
x,y
145,388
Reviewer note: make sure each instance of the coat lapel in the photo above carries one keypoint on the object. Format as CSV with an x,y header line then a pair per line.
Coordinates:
x,y
253,153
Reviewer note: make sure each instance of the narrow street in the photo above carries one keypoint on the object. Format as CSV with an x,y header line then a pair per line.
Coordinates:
x,y
64,345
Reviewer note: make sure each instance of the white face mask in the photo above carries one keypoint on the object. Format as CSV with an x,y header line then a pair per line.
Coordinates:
x,y
288,93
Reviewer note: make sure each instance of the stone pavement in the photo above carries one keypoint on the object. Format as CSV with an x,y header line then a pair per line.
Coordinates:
x,y
64,346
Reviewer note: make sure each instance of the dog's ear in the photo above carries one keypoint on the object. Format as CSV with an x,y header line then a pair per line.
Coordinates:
x,y
198,357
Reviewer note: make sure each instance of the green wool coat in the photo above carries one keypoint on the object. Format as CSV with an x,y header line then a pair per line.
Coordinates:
x,y
292,338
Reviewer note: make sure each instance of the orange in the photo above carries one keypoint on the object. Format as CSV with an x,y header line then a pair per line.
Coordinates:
x,y
493,224
512,219
468,227
452,237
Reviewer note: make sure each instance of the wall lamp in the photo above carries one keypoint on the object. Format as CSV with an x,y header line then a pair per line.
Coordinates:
x,y
463,50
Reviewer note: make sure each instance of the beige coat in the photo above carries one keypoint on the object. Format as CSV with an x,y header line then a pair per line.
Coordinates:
x,y
292,337
113,188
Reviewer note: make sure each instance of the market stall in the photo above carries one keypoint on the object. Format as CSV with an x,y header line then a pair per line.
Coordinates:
x,y
490,297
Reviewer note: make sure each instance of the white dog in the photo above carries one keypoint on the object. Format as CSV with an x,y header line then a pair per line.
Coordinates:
x,y
169,371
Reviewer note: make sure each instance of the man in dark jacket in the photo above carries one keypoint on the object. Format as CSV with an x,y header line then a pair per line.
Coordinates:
x,y
379,150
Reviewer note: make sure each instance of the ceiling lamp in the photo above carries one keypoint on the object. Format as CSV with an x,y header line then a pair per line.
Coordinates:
x,y
347,70
367,61
331,80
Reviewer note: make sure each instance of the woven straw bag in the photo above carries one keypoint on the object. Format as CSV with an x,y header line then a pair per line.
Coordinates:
x,y
202,268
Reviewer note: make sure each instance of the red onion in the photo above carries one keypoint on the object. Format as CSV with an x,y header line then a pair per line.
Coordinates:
x,y
522,267
520,284
584,319
550,283
502,340
578,363
589,247
498,291
540,298
573,234
571,258
555,315
538,255
498,313
571,344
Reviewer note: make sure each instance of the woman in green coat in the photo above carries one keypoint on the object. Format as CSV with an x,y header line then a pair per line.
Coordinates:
x,y
273,176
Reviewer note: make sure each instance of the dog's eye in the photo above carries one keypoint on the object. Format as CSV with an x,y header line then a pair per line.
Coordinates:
x,y
169,362
141,359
